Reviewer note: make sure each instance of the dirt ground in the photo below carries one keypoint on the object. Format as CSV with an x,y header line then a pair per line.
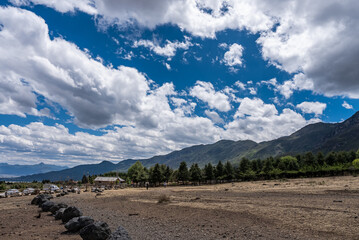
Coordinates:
x,y
320,208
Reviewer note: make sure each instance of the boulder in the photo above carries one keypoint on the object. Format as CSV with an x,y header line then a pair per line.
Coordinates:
x,y
40,199
96,231
46,206
77,223
59,213
56,207
69,213
120,234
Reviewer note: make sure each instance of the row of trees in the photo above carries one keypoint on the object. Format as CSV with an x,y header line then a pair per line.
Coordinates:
x,y
304,165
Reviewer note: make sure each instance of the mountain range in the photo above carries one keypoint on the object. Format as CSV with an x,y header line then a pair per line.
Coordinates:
x,y
7,170
317,137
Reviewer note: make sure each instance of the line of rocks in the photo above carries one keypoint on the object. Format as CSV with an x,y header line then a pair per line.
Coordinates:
x,y
88,228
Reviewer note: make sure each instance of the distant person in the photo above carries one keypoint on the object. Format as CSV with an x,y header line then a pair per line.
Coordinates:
x,y
165,184
147,185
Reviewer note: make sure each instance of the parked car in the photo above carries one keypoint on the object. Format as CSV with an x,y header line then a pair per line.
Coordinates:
x,y
12,193
28,191
51,188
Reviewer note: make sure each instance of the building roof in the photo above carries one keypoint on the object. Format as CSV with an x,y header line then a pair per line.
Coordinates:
x,y
108,179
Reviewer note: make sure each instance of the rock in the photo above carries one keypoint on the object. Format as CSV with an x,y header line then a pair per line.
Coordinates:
x,y
56,207
59,213
120,234
96,231
41,198
69,213
77,223
46,206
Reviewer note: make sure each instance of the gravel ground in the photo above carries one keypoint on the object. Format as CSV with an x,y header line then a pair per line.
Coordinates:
x,y
321,208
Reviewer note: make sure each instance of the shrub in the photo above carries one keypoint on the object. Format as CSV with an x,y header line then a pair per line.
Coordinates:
x,y
163,198
356,163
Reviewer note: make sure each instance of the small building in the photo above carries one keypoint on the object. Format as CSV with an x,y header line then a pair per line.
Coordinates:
x,y
108,180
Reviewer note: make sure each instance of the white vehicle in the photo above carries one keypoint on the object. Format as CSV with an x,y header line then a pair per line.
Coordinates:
x,y
28,191
51,187
12,193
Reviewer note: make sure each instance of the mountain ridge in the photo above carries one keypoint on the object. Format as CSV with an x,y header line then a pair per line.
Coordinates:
x,y
323,137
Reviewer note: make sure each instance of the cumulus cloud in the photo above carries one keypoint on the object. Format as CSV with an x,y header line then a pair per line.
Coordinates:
x,y
259,121
318,38
299,82
215,100
168,50
347,105
233,57
214,116
240,85
153,119
312,107
96,95
61,6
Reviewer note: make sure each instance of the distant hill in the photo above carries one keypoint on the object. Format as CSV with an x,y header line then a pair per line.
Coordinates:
x,y
324,137
75,173
7,170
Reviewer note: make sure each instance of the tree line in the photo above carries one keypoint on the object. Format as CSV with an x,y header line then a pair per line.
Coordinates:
x,y
301,165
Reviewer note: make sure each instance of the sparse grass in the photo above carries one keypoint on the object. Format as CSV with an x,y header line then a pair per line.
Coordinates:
x,y
164,199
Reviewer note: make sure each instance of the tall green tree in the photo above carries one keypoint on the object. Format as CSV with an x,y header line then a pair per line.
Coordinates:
x,y
331,159
136,172
195,173
219,171
244,165
209,172
228,171
156,174
320,158
309,160
84,179
183,173
168,173
268,165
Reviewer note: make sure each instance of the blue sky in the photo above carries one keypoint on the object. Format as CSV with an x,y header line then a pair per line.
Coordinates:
x,y
83,81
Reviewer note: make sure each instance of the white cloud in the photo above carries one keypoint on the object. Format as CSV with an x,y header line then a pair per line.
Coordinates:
x,y
299,82
167,66
168,50
61,6
223,45
259,121
317,38
240,85
312,107
233,57
96,95
252,91
347,105
205,92
214,116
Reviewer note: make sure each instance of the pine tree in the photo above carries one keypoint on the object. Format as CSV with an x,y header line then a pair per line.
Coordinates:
x,y
219,171
228,171
195,173
183,174
84,179
209,172
244,165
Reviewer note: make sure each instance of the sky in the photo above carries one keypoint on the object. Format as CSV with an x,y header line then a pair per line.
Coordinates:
x,y
82,81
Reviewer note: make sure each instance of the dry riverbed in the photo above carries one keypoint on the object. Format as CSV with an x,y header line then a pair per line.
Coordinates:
x,y
318,208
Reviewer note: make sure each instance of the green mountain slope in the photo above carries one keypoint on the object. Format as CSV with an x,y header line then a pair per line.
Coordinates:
x,y
324,137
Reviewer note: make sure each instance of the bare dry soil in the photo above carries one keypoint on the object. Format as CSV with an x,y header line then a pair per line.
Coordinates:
x,y
320,208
